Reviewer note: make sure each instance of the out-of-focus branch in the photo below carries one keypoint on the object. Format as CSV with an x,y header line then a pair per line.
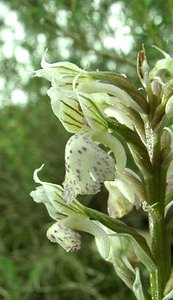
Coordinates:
x,y
81,42
84,45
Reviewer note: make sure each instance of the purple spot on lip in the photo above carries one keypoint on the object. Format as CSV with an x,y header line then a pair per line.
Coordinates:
x,y
79,151
84,148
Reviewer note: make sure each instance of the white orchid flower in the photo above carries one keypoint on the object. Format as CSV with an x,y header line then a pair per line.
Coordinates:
x,y
69,218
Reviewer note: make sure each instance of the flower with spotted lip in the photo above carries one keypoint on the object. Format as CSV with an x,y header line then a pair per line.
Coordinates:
x,y
69,218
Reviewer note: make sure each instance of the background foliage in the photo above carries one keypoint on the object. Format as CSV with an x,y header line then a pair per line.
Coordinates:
x,y
99,34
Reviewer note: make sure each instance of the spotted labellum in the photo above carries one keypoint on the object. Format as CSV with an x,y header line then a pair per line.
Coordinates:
x,y
67,238
87,166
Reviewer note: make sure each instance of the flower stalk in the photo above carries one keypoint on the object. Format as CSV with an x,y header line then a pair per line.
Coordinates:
x,y
159,233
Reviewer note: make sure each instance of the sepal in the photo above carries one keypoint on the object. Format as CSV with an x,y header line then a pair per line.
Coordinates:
x,y
66,107
64,72
118,205
51,195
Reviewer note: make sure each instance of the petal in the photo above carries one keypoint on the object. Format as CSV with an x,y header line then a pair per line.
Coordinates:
x,y
91,110
162,64
118,205
126,189
66,107
169,187
119,94
169,105
87,166
120,115
39,195
131,187
64,65
115,145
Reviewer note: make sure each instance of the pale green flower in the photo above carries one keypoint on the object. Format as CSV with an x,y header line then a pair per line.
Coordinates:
x,y
69,218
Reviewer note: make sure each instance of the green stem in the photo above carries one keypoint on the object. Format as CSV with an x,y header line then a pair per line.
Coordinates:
x,y
160,236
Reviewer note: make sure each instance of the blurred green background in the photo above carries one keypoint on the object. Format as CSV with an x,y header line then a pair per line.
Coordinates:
x,y
98,34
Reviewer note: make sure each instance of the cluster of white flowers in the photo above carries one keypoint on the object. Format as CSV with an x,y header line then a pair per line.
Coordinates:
x,y
103,108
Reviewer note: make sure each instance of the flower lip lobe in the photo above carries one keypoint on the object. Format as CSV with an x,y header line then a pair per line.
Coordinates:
x,y
88,167
65,237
